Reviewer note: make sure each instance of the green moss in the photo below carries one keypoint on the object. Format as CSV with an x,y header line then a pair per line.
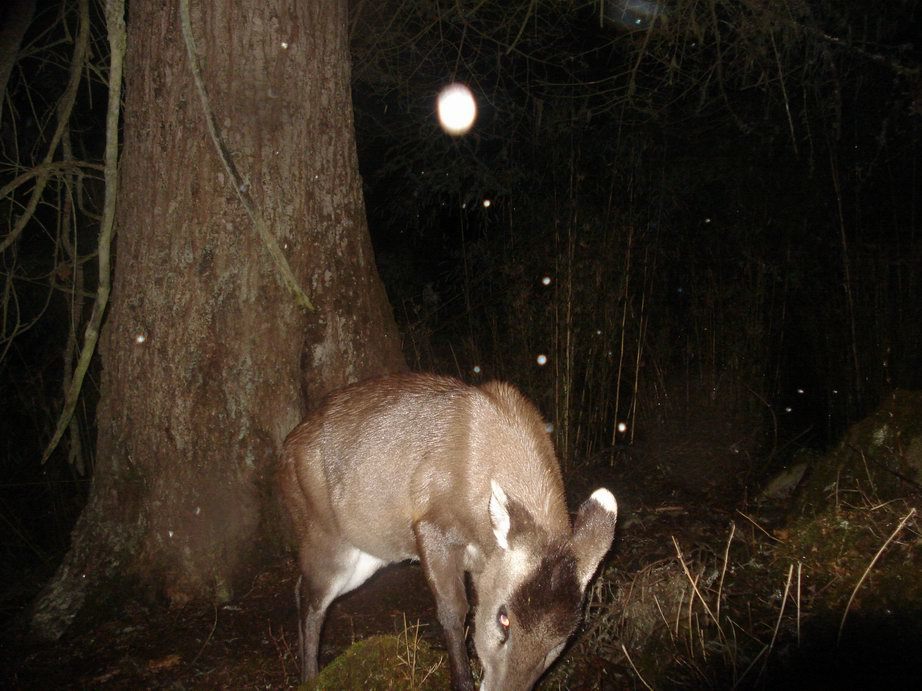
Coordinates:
x,y
836,546
384,662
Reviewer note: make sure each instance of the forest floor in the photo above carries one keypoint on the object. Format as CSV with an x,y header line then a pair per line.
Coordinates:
x,y
252,643
683,504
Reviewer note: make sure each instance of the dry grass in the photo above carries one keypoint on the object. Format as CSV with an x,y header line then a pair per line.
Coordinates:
x,y
746,614
400,661
416,660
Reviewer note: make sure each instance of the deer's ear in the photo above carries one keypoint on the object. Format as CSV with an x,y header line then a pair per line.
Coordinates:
x,y
499,515
593,531
512,523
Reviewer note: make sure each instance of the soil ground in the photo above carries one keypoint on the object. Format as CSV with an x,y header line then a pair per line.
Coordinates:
x,y
250,644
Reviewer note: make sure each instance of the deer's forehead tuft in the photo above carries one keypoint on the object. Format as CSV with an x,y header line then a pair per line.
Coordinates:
x,y
549,596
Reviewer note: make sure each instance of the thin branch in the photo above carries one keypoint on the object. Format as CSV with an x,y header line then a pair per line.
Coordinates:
x,y
912,512
48,168
214,626
694,584
64,109
847,276
636,671
784,601
754,523
115,27
723,570
784,93
518,36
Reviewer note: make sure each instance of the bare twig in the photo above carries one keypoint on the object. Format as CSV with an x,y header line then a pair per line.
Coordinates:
x,y
75,303
912,512
528,13
214,624
636,671
799,567
784,93
115,26
883,466
663,616
784,602
65,107
723,570
283,650
48,168
626,297
753,521
694,583
750,666
847,276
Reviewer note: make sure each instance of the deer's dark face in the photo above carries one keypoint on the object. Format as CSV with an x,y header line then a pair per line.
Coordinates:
x,y
531,589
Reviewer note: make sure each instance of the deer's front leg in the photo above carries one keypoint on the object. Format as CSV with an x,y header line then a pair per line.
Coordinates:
x,y
442,562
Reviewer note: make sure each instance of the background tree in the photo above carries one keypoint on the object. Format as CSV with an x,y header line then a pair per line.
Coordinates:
x,y
699,182
208,359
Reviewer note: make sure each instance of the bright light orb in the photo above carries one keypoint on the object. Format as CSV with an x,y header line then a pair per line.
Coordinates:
x,y
476,369
622,427
542,360
546,281
457,109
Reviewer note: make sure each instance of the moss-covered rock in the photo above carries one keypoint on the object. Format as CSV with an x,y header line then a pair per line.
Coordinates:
x,y
385,662
880,457
851,506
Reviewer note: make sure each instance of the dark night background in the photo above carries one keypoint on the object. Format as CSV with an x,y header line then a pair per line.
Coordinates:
x,y
745,183
724,195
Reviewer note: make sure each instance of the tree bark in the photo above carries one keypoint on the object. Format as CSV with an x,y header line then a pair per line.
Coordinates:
x,y
207,360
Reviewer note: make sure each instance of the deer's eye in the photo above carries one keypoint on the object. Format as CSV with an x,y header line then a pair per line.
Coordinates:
x,y
502,622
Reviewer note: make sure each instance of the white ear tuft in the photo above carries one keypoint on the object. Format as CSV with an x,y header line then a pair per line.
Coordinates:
x,y
593,532
499,515
606,499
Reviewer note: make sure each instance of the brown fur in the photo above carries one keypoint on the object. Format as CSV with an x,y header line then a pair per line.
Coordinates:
x,y
405,466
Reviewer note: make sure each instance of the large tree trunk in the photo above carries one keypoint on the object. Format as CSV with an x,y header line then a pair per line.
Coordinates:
x,y
207,360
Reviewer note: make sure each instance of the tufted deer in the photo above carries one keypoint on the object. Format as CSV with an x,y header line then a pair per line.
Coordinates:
x,y
462,478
